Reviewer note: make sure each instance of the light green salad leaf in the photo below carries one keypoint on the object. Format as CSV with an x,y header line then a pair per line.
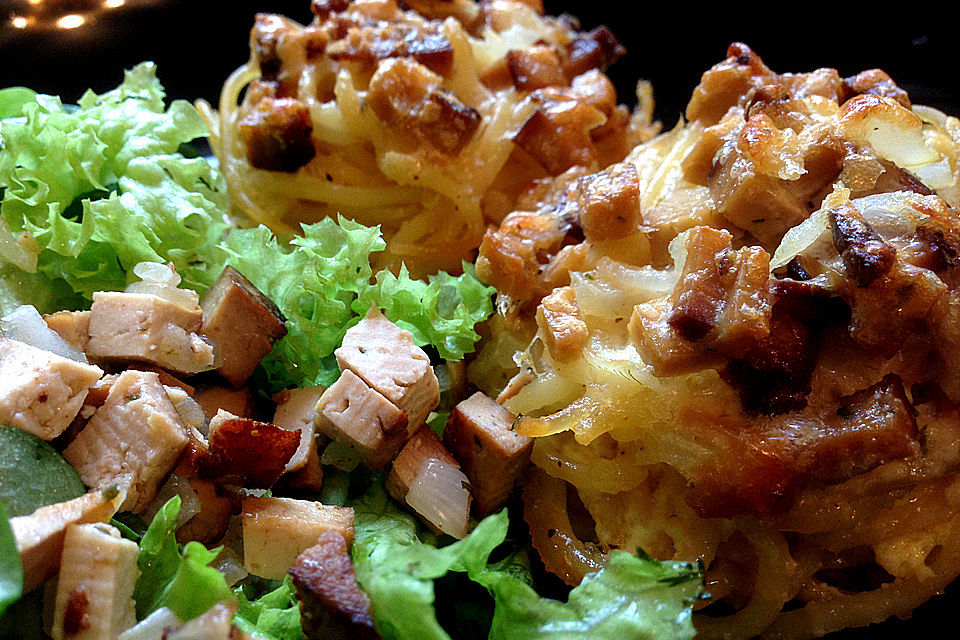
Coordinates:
x,y
397,569
275,615
323,283
90,191
631,598
169,577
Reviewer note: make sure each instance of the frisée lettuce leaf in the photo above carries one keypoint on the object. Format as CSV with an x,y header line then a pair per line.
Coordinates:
x,y
632,597
88,191
181,579
323,283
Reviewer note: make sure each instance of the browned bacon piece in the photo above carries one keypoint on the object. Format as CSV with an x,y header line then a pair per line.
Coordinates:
x,y
608,203
561,326
512,257
597,49
721,305
323,8
331,602
535,68
466,11
276,132
750,192
870,427
407,95
771,460
865,255
369,43
557,135
268,30
661,346
774,376
698,296
247,452
723,84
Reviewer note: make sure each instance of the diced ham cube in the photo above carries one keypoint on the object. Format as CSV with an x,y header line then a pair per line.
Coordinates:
x,y
354,414
133,440
277,530
214,398
147,328
480,434
72,326
242,322
41,392
388,360
297,411
422,446
561,326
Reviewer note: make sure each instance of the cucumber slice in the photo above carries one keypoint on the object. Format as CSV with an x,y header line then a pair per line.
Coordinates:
x,y
33,474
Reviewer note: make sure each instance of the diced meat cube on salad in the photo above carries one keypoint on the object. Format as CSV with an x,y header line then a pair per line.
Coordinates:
x,y
480,434
72,326
297,411
242,322
360,417
277,530
146,327
39,536
94,598
387,358
133,440
41,392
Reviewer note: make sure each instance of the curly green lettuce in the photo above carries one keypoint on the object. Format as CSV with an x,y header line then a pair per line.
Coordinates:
x,y
631,598
170,576
88,191
323,283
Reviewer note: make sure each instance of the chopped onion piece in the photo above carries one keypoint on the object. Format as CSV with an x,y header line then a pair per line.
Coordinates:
x,y
27,325
151,627
157,272
214,623
612,289
800,238
176,486
439,494
936,175
161,280
190,411
230,565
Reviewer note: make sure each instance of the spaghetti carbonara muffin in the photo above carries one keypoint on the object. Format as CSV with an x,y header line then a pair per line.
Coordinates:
x,y
740,344
428,118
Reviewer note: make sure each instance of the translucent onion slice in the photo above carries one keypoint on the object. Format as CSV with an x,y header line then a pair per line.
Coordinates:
x,y
230,565
152,627
161,280
439,494
176,486
25,324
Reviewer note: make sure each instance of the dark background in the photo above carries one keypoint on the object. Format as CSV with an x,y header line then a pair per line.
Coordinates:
x,y
197,43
